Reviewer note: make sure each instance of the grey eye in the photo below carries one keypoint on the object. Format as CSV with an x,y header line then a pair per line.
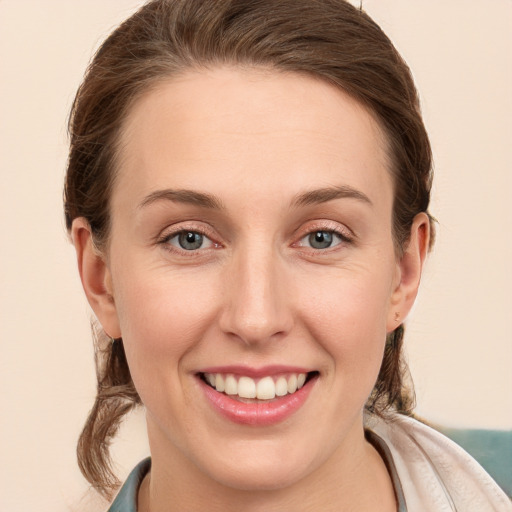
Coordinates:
x,y
320,239
190,240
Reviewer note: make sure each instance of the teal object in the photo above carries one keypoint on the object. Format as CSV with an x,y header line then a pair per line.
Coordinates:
x,y
491,448
126,500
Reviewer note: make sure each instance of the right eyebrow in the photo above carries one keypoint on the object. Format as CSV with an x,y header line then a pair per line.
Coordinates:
x,y
183,196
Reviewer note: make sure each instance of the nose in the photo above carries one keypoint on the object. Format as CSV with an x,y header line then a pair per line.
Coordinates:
x,y
257,304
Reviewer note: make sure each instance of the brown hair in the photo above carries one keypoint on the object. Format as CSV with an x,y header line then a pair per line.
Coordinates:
x,y
329,39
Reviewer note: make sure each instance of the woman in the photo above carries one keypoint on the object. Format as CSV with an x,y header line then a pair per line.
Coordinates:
x,y
247,192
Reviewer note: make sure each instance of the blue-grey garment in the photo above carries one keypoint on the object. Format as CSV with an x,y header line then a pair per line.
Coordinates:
x,y
126,500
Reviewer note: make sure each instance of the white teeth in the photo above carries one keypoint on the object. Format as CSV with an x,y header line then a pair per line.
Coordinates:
x,y
210,377
292,383
246,387
231,386
281,386
265,388
219,382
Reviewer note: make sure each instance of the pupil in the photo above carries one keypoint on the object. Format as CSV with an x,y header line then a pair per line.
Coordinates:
x,y
320,239
189,240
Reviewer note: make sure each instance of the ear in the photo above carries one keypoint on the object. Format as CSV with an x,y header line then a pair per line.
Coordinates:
x,y
409,269
95,276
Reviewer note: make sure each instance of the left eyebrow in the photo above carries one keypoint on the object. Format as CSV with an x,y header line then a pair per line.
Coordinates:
x,y
323,195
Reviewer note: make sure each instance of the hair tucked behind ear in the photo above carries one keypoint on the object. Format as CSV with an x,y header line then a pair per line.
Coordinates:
x,y
115,397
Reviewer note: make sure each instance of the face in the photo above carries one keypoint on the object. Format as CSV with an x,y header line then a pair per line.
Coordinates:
x,y
251,253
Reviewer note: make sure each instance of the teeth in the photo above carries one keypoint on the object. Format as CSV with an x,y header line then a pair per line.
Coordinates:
x,y
281,386
246,388
266,388
292,383
231,386
210,377
219,382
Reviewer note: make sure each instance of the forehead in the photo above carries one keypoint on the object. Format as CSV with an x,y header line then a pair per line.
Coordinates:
x,y
241,130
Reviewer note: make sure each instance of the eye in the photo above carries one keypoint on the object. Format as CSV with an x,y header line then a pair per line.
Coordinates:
x,y
321,239
189,241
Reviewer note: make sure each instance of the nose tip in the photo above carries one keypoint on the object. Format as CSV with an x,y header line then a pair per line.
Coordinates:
x,y
257,309
258,324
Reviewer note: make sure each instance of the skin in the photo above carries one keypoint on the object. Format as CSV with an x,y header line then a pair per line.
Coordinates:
x,y
256,293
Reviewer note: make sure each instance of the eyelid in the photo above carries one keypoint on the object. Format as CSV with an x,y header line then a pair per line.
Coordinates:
x,y
343,231
346,238
170,232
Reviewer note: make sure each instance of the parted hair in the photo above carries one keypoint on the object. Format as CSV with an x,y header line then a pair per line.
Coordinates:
x,y
329,39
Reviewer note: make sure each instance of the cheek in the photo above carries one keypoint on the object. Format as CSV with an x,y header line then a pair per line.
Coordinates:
x,y
161,320
350,322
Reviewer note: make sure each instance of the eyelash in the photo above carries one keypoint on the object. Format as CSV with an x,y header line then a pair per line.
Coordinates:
x,y
165,240
343,237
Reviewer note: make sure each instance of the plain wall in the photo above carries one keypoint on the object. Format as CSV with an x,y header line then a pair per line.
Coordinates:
x,y
459,336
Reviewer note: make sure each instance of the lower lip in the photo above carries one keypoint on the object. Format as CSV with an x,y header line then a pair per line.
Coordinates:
x,y
263,413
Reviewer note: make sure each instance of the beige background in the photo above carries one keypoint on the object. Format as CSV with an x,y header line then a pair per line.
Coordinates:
x,y
459,336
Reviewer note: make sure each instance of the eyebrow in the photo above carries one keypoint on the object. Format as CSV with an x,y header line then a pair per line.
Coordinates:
x,y
183,196
204,200
323,195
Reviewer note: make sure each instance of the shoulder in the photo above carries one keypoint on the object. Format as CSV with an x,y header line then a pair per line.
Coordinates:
x,y
435,473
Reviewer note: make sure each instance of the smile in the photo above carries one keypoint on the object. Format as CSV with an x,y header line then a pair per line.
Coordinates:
x,y
262,398
266,388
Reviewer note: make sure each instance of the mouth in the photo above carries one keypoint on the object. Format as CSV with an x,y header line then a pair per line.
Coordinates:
x,y
257,397
246,389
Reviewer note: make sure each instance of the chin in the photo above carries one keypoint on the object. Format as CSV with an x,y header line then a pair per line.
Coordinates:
x,y
261,470
266,477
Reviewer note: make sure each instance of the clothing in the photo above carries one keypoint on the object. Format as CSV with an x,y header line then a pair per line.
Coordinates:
x,y
430,473
436,474
126,499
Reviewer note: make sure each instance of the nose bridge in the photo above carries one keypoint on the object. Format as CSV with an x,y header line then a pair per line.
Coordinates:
x,y
257,309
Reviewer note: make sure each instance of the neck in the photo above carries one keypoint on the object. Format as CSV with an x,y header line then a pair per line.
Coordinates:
x,y
353,478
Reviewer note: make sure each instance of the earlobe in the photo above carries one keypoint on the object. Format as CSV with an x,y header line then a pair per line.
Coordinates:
x,y
410,269
95,276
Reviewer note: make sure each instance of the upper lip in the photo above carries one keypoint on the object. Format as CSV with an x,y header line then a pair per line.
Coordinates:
x,y
253,372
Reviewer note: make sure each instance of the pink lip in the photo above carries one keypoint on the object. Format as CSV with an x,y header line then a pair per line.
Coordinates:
x,y
263,413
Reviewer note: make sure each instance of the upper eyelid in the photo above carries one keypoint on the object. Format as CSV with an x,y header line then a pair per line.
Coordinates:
x,y
180,227
331,226
342,235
